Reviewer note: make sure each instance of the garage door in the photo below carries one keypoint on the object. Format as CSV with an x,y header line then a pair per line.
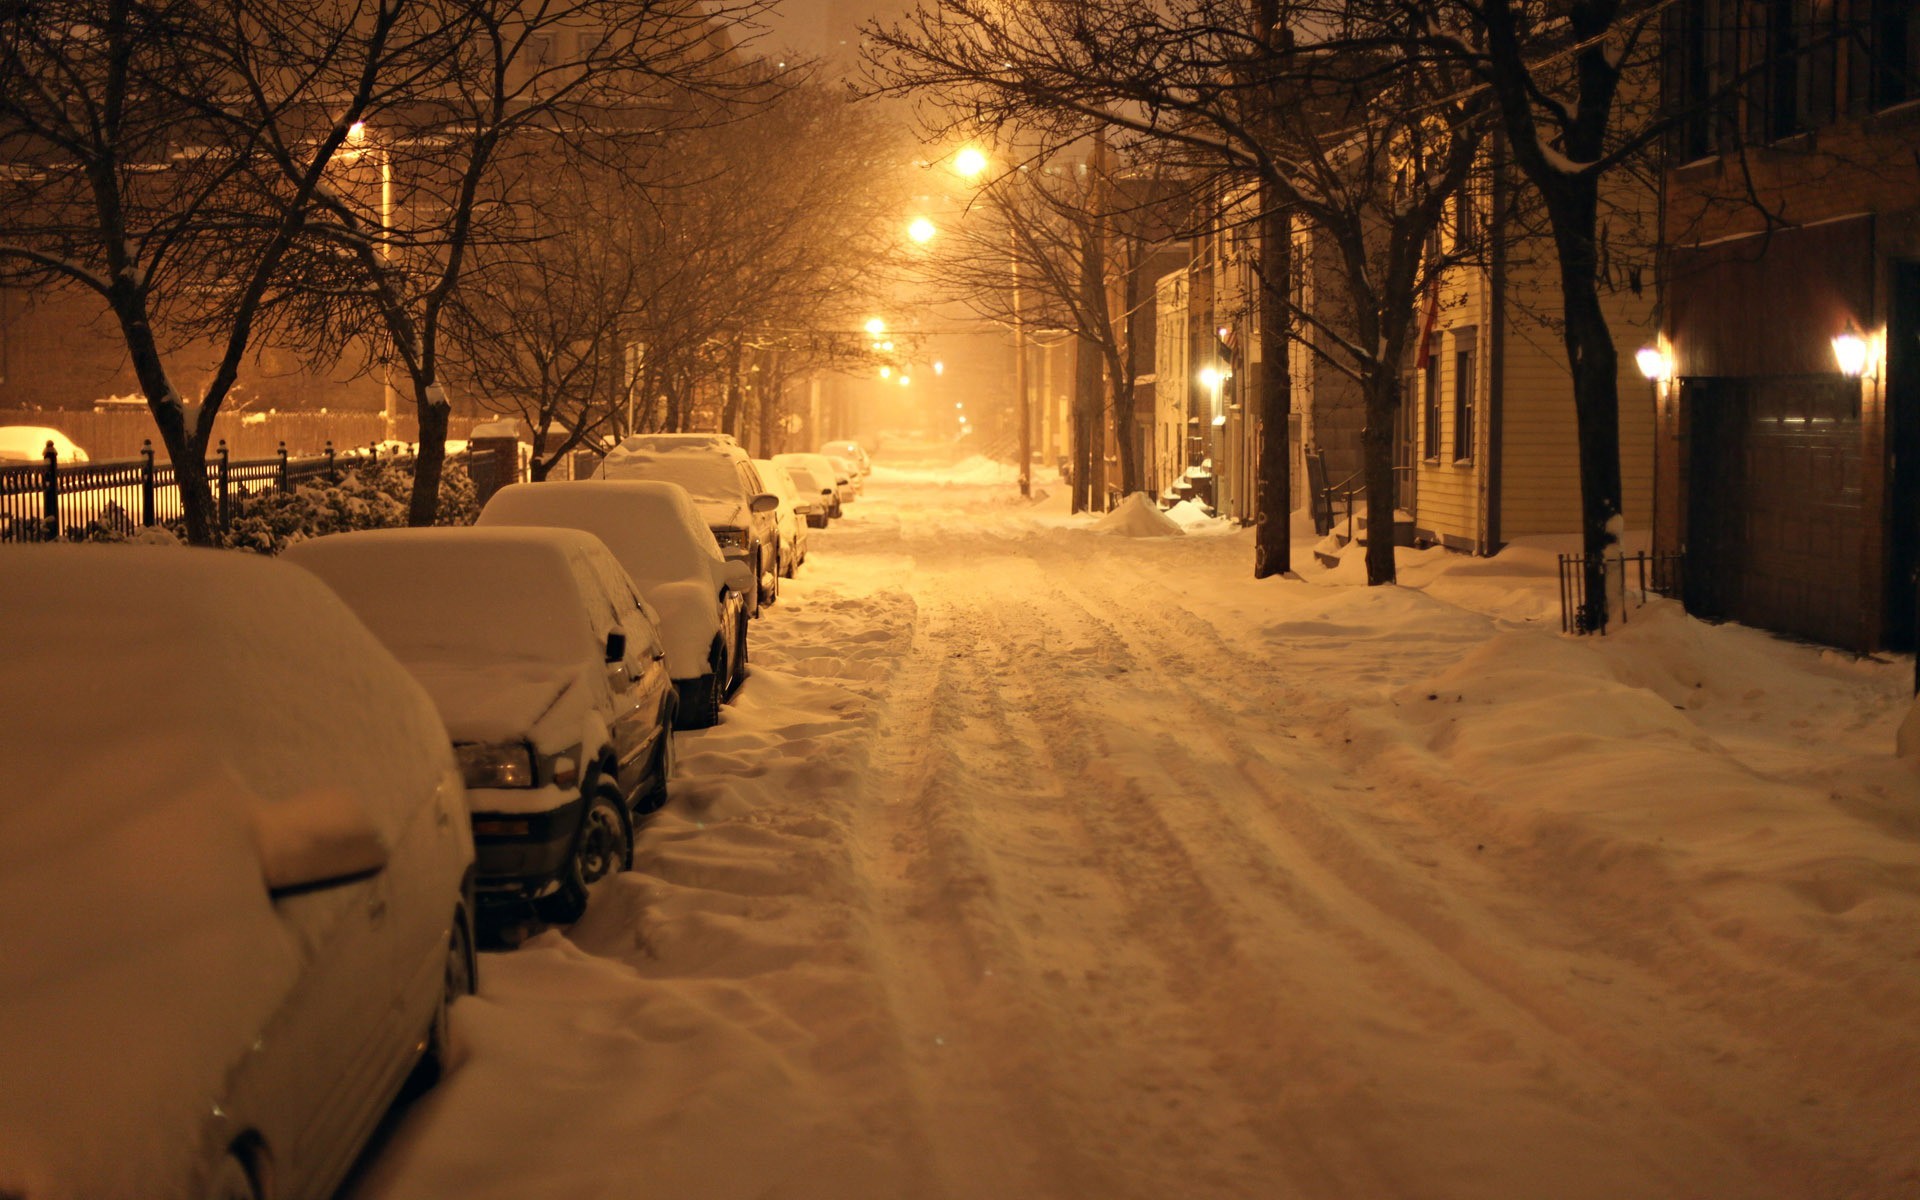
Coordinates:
x,y
1775,519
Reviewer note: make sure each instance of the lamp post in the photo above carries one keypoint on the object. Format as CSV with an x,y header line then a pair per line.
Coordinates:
x,y
971,162
390,399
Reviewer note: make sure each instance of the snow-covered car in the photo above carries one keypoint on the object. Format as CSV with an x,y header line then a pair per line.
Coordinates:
x,y
822,469
737,507
234,877
855,454
663,542
817,501
549,670
28,444
847,476
661,442
792,513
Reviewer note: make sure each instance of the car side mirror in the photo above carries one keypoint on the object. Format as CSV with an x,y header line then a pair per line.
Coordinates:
x,y
739,575
764,502
319,839
616,647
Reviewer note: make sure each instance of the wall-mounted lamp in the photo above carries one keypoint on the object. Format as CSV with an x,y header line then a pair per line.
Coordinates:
x,y
1212,377
1654,363
1852,352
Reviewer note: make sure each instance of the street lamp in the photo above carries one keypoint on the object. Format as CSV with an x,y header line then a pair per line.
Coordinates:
x,y
969,162
876,326
922,230
356,135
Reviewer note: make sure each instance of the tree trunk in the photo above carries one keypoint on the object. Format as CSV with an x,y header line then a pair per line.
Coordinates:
x,y
430,455
1272,547
730,409
1086,403
1376,454
1594,362
186,448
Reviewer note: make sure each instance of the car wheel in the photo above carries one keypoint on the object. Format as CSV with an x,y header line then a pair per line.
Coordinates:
x,y
790,563
232,1179
603,847
739,657
460,976
655,797
770,582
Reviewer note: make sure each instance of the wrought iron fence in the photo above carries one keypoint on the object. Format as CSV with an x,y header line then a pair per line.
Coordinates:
x,y
1629,581
46,501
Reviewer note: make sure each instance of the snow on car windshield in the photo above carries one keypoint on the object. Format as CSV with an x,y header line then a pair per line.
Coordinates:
x,y
463,595
706,476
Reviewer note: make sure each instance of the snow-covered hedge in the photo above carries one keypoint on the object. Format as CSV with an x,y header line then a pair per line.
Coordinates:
x,y
367,496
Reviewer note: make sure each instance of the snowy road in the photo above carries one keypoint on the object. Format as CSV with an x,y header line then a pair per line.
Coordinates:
x,y
1038,862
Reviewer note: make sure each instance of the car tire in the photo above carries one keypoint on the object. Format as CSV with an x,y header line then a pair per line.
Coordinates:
x,y
603,847
739,659
834,512
770,592
460,978
232,1179
655,797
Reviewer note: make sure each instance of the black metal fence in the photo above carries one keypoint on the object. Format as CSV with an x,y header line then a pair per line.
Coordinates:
x,y
44,501
1630,581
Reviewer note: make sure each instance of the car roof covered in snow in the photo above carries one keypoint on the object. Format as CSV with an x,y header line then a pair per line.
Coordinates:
x,y
28,443
152,699
821,466
653,528
544,595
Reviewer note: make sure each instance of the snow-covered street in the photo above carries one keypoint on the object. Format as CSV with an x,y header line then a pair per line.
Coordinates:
x,y
1035,861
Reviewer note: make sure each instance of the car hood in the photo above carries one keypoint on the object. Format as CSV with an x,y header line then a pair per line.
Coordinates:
x,y
728,513
542,703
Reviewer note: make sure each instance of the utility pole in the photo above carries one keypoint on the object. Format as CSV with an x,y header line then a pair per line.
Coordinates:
x,y
1272,549
1023,402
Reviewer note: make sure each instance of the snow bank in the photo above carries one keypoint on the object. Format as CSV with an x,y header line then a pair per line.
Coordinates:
x,y
1137,516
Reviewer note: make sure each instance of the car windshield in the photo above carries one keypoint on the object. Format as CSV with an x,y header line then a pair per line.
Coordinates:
x,y
803,480
705,476
478,600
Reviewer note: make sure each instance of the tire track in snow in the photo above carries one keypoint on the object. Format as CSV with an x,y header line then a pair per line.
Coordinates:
x,y
1374,877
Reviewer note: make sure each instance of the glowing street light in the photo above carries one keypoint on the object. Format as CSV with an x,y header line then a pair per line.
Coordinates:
x,y
922,230
876,326
886,372
939,368
906,381
970,162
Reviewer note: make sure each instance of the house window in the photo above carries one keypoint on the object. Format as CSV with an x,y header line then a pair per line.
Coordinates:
x,y
1466,220
1703,37
1431,443
1465,386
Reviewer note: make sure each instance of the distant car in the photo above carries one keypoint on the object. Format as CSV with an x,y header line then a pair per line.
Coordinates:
x,y
234,877
664,544
736,504
823,469
855,454
28,443
793,512
549,671
819,500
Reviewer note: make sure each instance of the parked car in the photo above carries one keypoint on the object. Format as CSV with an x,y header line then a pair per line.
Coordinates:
x,y
793,512
818,499
855,454
823,469
662,442
548,669
728,491
664,544
234,877
28,444
848,476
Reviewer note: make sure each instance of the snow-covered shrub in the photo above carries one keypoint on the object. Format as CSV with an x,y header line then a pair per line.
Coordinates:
x,y
370,495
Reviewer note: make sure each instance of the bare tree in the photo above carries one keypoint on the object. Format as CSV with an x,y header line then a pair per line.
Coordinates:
x,y
1340,111
167,157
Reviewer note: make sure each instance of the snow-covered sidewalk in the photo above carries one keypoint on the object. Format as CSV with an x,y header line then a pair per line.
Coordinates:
x,y
1040,861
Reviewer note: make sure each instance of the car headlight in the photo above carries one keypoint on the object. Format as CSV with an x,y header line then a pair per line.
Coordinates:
x,y
731,539
495,764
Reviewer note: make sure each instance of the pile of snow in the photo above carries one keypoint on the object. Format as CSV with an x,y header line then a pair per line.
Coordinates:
x,y
1138,517
508,427
1191,515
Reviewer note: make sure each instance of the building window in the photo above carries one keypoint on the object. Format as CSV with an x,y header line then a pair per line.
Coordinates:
x,y
1431,443
1893,51
1465,386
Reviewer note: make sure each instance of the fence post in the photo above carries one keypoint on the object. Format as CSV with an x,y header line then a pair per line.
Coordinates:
x,y
224,460
51,508
284,489
333,473
146,483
